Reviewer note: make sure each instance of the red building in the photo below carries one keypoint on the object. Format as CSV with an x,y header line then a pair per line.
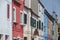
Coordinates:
x,y
17,29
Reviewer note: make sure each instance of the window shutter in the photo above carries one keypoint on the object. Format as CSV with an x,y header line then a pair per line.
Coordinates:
x,y
8,10
25,18
33,22
14,14
39,24
25,38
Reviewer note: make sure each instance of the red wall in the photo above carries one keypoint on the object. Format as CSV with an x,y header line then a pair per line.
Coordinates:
x,y
17,28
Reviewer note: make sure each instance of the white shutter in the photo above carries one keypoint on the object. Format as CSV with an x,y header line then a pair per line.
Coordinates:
x,y
14,14
21,18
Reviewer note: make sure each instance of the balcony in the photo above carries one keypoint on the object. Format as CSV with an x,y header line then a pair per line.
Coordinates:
x,y
17,1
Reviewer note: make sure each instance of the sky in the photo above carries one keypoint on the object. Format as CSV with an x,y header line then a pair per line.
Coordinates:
x,y
51,5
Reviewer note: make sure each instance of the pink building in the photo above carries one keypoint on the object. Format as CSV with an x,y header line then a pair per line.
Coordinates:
x,y
17,29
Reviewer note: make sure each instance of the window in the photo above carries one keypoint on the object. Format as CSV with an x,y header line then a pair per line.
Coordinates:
x,y
42,26
25,38
1,35
6,37
25,18
39,24
8,10
33,22
58,29
21,16
52,32
14,14
32,38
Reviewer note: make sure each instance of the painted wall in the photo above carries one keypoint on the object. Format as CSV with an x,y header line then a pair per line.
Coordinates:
x,y
17,28
54,27
45,27
5,23
41,18
27,27
50,28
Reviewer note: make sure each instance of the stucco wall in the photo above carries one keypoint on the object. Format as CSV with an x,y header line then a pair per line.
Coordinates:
x,y
5,24
41,18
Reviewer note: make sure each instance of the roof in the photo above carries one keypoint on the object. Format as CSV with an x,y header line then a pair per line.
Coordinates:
x,y
49,15
41,3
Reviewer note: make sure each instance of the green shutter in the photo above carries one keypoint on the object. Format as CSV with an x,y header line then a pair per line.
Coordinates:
x,y
42,26
33,22
39,24
25,19
25,38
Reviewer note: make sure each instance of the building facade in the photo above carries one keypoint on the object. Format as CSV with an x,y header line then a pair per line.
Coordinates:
x,y
59,31
45,25
34,19
27,27
17,17
56,27
5,19
41,20
50,27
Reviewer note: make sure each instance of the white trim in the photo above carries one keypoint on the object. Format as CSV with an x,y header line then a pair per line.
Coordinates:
x,y
14,15
22,18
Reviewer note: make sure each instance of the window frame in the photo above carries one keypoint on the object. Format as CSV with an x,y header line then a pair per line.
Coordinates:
x,y
35,22
6,37
14,14
8,11
21,19
1,38
25,21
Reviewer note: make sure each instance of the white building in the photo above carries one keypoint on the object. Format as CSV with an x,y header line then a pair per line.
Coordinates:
x,y
27,27
5,19
41,21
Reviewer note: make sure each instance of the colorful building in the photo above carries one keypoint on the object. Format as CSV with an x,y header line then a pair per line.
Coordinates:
x,y
41,20
5,19
27,27
34,19
17,17
56,27
45,25
58,31
50,27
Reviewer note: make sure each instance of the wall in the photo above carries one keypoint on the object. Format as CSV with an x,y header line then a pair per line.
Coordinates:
x,y
41,18
5,24
17,27
45,27
27,27
50,25
34,6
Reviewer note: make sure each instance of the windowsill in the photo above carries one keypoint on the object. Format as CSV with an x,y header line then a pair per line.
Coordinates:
x,y
22,24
